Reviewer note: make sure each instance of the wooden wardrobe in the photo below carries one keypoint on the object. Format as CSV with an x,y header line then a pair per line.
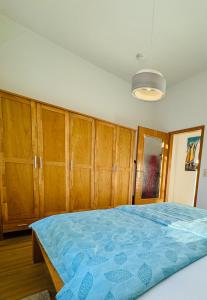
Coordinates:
x,y
54,161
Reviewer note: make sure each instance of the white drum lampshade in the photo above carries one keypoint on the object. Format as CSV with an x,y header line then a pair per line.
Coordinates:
x,y
148,85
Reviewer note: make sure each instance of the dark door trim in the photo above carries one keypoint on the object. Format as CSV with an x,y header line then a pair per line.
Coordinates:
x,y
171,134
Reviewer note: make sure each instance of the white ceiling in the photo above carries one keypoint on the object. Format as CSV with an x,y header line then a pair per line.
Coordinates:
x,y
109,33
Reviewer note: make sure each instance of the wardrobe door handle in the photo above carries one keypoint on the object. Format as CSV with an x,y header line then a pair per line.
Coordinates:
x,y
71,173
41,163
35,161
71,165
114,168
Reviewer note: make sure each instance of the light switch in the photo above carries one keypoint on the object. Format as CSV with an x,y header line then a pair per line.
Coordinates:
x,y
205,172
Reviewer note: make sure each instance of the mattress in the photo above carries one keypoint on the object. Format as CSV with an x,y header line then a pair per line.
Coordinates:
x,y
189,283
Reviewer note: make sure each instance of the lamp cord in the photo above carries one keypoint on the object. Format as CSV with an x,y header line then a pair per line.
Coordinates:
x,y
152,28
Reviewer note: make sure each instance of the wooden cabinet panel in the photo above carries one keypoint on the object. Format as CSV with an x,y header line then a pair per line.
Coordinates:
x,y
124,166
19,183
17,128
124,147
82,162
53,133
105,144
81,189
104,188
19,187
54,189
53,150
104,164
122,188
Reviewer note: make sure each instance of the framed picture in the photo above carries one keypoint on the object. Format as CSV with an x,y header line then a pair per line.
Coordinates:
x,y
193,145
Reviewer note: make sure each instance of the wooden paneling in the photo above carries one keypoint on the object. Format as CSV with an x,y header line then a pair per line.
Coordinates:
x,y
18,225
53,131
19,183
82,162
3,92
104,188
104,164
53,152
54,161
124,166
54,189
123,188
17,125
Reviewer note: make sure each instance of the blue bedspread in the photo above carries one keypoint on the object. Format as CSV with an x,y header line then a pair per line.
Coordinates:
x,y
118,254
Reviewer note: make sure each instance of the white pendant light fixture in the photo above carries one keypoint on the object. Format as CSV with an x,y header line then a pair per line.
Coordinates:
x,y
148,84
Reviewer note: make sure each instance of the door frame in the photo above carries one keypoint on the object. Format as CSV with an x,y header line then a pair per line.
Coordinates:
x,y
169,161
157,133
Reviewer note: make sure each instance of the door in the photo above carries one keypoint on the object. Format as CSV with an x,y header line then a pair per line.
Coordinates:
x,y
19,181
104,164
82,138
124,166
152,152
53,152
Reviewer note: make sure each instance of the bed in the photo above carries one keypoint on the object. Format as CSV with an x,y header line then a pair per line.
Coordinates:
x,y
149,252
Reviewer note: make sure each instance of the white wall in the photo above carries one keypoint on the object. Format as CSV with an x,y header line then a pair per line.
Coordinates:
x,y
33,66
182,183
186,106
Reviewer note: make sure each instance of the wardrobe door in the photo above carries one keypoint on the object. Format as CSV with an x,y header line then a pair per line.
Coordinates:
x,y
124,166
18,149
53,151
104,164
81,162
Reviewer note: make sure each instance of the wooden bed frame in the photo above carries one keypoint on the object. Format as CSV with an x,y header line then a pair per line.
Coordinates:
x,y
39,255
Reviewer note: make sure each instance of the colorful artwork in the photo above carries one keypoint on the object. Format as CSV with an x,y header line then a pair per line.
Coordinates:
x,y
193,147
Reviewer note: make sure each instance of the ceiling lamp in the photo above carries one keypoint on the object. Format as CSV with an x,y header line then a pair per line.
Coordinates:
x,y
148,85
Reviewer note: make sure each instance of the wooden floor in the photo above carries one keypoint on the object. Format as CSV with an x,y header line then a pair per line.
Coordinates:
x,y
19,277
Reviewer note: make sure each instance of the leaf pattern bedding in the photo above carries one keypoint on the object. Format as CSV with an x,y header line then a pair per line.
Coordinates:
x,y
120,253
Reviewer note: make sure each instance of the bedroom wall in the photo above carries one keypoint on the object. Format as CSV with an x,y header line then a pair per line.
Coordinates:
x,y
186,106
33,66
182,183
